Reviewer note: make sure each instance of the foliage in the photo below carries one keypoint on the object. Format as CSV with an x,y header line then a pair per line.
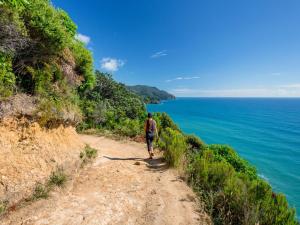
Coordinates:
x,y
224,152
3,206
50,30
110,105
54,110
88,154
57,178
195,143
174,146
40,191
39,55
150,94
129,127
7,78
164,121
232,195
14,3
84,64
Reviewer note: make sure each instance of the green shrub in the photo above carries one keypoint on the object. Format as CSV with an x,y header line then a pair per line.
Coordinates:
x,y
40,191
87,154
164,121
90,152
7,78
3,206
208,174
240,165
130,128
84,65
57,178
231,194
110,105
195,143
174,146
14,3
39,55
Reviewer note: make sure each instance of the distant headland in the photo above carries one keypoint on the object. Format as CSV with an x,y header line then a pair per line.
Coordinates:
x,y
151,95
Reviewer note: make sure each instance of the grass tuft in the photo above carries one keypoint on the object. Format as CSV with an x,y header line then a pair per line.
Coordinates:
x,y
3,206
57,178
40,192
88,154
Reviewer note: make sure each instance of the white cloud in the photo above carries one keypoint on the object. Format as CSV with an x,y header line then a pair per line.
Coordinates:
x,y
111,64
183,78
280,91
290,85
159,54
81,37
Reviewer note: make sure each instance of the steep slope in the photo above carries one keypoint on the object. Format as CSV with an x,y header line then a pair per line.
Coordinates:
x,y
28,155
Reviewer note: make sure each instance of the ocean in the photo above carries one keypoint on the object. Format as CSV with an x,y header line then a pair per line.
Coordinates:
x,y
265,131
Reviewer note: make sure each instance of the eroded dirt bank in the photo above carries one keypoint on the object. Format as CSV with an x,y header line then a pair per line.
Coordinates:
x,y
28,155
120,187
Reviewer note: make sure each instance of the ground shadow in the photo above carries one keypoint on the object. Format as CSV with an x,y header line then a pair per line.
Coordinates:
x,y
121,159
156,164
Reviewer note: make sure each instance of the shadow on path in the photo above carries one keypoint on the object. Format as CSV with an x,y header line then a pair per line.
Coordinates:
x,y
153,164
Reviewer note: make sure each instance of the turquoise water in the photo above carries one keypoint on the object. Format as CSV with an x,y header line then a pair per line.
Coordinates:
x,y
265,131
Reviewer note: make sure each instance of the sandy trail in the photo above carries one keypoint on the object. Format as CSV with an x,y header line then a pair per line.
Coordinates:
x,y
114,190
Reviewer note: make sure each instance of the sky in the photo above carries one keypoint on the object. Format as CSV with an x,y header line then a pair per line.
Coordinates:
x,y
212,48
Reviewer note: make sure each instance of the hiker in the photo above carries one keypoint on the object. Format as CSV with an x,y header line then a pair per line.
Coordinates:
x,y
151,131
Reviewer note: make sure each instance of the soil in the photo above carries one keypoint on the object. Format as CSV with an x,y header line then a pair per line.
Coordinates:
x,y
30,153
121,186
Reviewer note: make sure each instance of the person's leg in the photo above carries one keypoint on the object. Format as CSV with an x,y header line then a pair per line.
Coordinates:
x,y
149,146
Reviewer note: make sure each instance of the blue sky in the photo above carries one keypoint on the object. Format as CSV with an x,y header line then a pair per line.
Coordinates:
x,y
193,47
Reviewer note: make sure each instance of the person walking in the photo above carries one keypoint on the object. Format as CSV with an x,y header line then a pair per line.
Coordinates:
x,y
151,132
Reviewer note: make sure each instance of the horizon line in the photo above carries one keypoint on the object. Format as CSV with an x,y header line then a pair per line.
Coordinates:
x,y
237,96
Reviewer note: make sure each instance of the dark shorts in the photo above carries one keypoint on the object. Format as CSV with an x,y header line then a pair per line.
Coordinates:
x,y
149,140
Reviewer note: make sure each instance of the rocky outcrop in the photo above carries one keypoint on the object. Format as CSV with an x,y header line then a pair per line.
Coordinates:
x,y
39,110
18,105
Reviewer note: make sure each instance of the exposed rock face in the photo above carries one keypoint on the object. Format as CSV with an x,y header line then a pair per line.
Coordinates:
x,y
29,153
31,107
18,105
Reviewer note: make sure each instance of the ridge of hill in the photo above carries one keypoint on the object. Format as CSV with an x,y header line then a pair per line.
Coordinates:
x,y
151,95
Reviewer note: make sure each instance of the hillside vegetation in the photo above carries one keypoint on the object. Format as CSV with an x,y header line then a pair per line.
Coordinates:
x,y
43,66
151,94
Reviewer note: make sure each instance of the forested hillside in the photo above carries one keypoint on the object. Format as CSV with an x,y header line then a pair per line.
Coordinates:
x,y
41,57
151,94
45,68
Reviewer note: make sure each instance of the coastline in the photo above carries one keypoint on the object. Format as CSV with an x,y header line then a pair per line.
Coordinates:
x,y
180,120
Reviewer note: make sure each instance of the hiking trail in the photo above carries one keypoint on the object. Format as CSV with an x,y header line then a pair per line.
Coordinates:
x,y
120,187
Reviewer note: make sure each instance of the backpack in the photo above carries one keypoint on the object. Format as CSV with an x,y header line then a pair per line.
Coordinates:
x,y
150,128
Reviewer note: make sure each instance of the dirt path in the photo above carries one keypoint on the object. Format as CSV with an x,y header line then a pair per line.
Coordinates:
x,y
115,190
